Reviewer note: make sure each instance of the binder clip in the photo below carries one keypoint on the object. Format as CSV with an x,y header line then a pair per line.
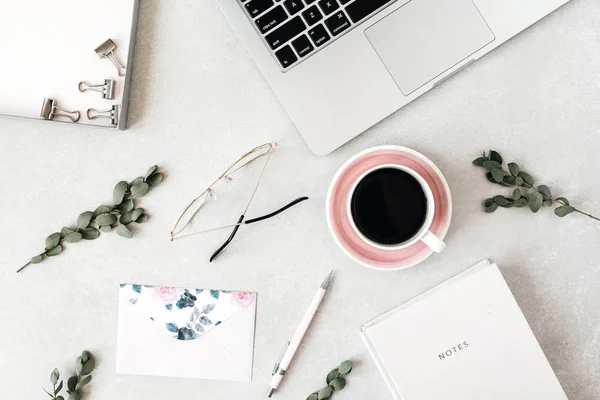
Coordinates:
x,y
50,110
107,50
107,88
112,114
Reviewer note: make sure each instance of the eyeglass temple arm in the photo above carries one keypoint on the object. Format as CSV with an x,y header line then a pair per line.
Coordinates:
x,y
274,213
250,221
229,239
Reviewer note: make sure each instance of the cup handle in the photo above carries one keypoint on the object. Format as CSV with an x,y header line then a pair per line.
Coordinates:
x,y
433,242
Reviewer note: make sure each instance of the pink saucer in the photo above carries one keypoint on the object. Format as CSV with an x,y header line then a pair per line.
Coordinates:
x,y
339,220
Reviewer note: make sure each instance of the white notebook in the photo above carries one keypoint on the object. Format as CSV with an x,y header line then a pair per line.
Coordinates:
x,y
466,339
48,47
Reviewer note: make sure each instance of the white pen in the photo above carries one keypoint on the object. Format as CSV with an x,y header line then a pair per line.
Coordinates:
x,y
290,348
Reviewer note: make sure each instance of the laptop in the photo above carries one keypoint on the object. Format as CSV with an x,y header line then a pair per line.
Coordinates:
x,y
340,66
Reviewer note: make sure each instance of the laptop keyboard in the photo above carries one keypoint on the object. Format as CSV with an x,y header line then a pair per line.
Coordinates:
x,y
297,29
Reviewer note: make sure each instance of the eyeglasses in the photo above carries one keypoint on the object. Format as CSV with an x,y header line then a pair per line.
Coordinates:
x,y
192,210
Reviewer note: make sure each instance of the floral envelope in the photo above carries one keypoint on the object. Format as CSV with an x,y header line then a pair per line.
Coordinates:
x,y
183,332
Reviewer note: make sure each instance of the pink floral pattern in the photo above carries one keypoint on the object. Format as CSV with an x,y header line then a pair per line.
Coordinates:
x,y
166,294
243,298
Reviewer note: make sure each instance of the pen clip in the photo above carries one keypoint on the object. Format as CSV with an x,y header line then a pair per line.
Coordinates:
x,y
280,358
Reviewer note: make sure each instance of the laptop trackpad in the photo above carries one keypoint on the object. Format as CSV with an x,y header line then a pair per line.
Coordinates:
x,y
425,38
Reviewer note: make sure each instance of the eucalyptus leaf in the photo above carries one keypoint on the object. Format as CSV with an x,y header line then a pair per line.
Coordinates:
x,y
142,218
154,179
516,194
324,393
545,191
37,259
333,374
52,240
122,230
509,180
85,356
137,213
514,169
563,211
119,192
84,219
313,396
497,174
501,200
106,219
54,376
479,161
73,237
519,181
526,178
126,205
65,231
151,170
88,367
54,251
58,388
105,228
492,208
492,164
547,203
522,202
72,383
345,368
563,200
90,233
495,156
126,217
140,189
338,384
136,181
101,210
535,202
60,398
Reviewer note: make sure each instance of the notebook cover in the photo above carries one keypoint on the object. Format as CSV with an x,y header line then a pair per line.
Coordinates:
x,y
466,339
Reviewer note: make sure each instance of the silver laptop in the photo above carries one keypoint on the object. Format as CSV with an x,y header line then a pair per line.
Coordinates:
x,y
341,66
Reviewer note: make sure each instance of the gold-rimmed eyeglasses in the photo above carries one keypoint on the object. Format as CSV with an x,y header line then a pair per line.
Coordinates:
x,y
200,202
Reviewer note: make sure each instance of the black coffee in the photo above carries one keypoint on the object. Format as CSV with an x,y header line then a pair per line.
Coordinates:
x,y
389,206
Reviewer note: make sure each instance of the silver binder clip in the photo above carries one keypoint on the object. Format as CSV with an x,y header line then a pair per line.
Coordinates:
x,y
107,50
112,114
107,88
50,110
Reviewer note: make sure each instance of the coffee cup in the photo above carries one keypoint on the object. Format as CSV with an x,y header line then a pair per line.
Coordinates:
x,y
392,207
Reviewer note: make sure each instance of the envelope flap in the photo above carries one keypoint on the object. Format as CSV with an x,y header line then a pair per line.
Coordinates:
x,y
184,313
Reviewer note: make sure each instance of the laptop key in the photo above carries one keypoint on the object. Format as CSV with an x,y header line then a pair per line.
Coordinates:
x,y
271,19
329,6
360,9
257,7
302,45
293,6
286,56
285,33
319,35
312,15
338,23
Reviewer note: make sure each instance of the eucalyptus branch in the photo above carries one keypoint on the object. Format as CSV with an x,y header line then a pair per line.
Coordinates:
x,y
525,192
84,365
336,381
104,218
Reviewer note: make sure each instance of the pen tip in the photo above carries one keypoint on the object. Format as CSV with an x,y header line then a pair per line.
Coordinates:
x,y
327,281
